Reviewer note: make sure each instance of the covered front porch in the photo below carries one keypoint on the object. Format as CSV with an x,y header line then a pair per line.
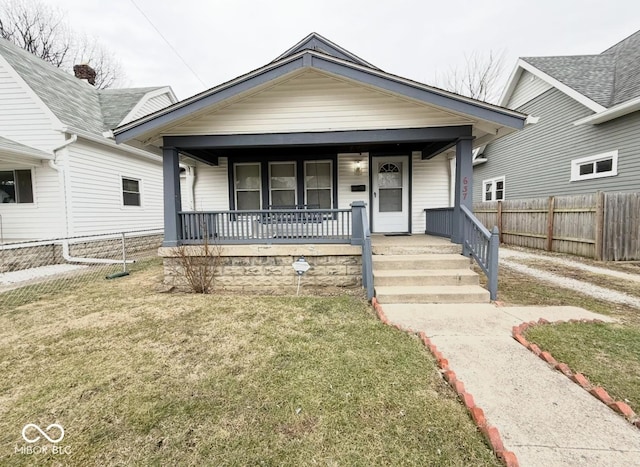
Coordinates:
x,y
319,147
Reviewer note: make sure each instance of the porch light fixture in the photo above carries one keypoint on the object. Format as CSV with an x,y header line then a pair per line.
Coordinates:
x,y
357,167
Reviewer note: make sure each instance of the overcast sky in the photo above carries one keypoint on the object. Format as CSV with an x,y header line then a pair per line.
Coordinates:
x,y
412,38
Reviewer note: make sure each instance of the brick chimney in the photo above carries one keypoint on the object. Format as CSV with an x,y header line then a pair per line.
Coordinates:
x,y
85,72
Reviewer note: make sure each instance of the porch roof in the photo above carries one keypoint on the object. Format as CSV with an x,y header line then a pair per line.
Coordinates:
x,y
487,121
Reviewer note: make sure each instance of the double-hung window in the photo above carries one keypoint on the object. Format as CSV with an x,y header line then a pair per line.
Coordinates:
x,y
16,186
493,189
282,184
600,165
131,192
247,186
318,184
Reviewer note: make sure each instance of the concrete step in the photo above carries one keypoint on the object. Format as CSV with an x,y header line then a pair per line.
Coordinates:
x,y
450,248
425,277
426,261
432,294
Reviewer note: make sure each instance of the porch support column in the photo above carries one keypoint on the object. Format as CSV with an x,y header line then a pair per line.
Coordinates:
x,y
464,186
172,202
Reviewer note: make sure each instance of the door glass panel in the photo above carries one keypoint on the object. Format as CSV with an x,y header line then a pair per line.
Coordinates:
x,y
391,200
390,187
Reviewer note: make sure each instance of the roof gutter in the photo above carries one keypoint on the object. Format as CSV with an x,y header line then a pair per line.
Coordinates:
x,y
112,144
617,111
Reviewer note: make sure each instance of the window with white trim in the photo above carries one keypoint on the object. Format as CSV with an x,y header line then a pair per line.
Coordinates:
x,y
318,184
16,186
598,166
247,186
282,184
131,192
493,189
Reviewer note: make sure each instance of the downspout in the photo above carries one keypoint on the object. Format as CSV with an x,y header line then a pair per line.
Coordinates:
x,y
452,180
190,172
63,184
63,180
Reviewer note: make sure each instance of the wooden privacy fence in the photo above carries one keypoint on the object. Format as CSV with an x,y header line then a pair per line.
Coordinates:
x,y
604,226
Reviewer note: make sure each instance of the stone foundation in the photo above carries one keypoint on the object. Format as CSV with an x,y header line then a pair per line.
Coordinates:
x,y
267,269
15,257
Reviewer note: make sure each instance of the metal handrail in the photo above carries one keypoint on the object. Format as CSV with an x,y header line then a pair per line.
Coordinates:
x,y
482,246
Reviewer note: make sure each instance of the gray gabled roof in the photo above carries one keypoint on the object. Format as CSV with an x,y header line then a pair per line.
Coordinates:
x,y
610,78
319,43
117,103
74,102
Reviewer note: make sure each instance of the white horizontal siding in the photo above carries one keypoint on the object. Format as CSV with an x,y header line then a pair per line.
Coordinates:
x,y
347,177
151,105
430,184
314,101
528,87
95,190
44,219
211,187
22,115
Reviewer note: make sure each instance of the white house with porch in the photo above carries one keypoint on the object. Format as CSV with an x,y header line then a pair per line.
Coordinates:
x,y
316,149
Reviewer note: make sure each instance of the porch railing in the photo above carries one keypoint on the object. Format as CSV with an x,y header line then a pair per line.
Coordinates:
x,y
477,241
362,236
266,226
482,246
439,222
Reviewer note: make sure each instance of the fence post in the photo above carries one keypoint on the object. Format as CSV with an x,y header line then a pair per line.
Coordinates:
x,y
499,220
550,219
599,245
494,245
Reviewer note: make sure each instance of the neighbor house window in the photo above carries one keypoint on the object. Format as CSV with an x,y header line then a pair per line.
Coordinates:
x,y
600,165
318,184
16,186
247,186
493,189
282,184
130,192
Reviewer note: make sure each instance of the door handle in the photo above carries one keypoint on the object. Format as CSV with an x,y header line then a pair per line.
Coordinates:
x,y
375,194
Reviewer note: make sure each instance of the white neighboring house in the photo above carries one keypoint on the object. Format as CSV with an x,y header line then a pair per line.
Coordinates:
x,y
61,172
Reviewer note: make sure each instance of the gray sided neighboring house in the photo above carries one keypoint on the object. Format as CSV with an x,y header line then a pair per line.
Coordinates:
x,y
587,134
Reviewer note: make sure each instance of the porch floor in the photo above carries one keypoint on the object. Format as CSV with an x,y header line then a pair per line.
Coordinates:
x,y
411,244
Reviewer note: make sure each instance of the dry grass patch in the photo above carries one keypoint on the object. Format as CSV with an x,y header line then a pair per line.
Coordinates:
x,y
138,377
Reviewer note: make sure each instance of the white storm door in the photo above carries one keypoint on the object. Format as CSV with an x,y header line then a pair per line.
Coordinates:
x,y
390,191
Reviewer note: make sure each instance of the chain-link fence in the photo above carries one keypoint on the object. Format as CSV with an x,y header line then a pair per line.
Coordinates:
x,y
30,270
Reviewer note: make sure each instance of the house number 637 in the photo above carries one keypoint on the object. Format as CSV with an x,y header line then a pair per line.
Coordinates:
x,y
465,187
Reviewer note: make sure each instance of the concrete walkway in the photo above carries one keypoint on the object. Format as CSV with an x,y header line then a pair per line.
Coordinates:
x,y
543,417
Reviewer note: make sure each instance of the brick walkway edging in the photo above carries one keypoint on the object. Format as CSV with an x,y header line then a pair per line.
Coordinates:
x,y
491,433
597,391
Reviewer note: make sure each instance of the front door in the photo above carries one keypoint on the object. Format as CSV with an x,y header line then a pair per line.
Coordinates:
x,y
390,191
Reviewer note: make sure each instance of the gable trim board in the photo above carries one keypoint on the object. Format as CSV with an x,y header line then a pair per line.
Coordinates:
x,y
309,59
523,65
141,103
316,41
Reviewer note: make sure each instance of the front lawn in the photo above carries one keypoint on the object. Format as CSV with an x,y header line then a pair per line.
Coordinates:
x,y
137,377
